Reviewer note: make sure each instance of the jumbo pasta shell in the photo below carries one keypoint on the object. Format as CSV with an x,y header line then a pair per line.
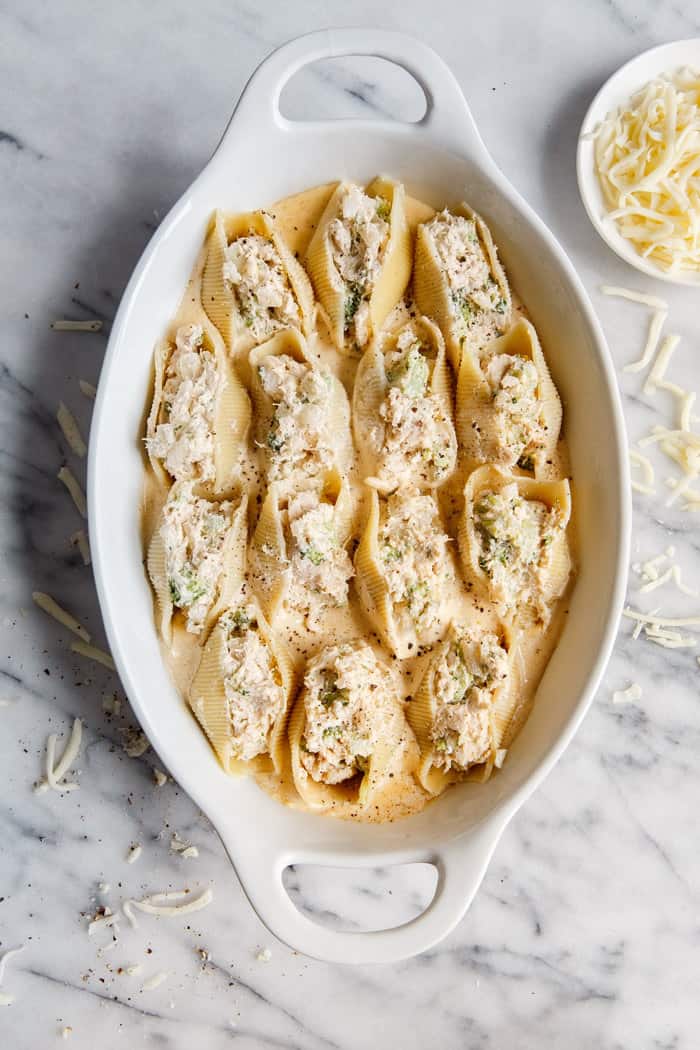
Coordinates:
x,y
157,571
394,274
371,388
207,698
268,555
371,584
431,289
230,580
556,494
291,343
232,413
219,301
475,416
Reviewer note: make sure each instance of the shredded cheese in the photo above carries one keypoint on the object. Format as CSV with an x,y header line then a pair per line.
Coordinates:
x,y
661,363
80,540
93,653
69,479
106,918
62,616
646,485
655,325
661,621
71,430
75,326
56,771
635,297
626,696
185,849
134,853
88,389
264,955
169,905
647,157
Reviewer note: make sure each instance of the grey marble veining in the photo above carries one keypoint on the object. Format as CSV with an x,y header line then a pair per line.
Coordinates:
x,y
585,932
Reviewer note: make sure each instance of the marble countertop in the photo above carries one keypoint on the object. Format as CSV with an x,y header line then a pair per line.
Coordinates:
x,y
585,930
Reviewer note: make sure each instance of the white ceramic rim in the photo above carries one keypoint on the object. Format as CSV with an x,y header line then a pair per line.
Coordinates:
x,y
462,860
615,91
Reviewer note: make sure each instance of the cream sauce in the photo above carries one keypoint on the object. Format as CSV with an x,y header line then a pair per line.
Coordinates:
x,y
400,795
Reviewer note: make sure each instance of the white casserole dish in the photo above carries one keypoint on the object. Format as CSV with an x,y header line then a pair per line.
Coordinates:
x,y
441,159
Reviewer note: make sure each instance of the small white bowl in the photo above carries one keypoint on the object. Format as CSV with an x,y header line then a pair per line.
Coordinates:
x,y
615,91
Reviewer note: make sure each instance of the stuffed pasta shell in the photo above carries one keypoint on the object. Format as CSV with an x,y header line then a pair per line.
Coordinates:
x,y
252,285
359,259
196,558
405,571
402,410
345,725
508,409
513,542
241,691
459,281
199,419
303,415
462,708
298,550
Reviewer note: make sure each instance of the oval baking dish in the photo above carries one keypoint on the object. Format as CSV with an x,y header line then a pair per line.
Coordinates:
x,y
263,157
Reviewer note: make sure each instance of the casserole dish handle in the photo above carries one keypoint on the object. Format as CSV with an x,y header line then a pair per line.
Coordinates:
x,y
447,121
461,865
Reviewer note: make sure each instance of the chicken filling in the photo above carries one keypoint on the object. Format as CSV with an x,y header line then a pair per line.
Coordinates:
x,y
358,238
470,668
194,533
416,437
518,418
299,441
478,305
349,700
252,684
184,440
515,537
259,282
415,561
319,566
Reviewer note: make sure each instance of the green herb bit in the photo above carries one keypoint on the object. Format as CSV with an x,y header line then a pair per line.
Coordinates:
x,y
383,209
353,298
314,556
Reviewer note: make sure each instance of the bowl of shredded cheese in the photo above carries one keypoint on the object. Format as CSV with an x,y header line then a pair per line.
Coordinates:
x,y
638,162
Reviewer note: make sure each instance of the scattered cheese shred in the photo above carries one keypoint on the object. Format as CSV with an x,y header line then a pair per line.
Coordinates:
x,y
661,363
71,430
134,853
56,771
264,955
647,156
66,1032
6,955
169,905
106,918
88,389
154,982
159,777
660,621
647,483
69,479
62,616
626,696
80,540
655,325
635,297
93,653
185,849
75,326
